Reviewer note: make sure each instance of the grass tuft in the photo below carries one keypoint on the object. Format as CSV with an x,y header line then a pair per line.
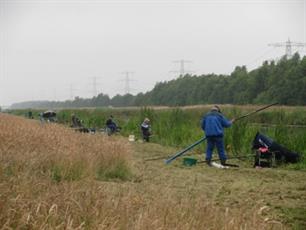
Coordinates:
x,y
118,170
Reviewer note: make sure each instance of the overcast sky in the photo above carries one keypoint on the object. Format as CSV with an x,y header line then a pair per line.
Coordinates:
x,y
53,50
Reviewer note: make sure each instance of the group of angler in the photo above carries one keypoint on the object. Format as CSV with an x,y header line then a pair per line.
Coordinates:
x,y
111,127
212,123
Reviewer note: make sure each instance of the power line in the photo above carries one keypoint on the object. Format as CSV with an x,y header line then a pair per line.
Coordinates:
x,y
269,51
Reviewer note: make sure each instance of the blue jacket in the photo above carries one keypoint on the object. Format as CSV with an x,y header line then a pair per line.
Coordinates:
x,y
213,124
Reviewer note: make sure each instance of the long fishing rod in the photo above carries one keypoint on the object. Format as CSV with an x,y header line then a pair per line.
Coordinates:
x,y
256,111
163,157
169,160
230,158
227,164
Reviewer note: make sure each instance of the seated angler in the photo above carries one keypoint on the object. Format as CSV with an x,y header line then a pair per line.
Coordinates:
x,y
111,125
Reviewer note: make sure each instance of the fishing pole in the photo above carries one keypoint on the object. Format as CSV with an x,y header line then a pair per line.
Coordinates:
x,y
156,158
230,158
169,160
162,157
256,111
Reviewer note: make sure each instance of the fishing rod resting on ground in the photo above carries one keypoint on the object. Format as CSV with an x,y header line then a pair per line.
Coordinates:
x,y
169,160
180,153
230,158
158,157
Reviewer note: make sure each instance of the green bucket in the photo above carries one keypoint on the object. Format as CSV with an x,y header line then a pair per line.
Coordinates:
x,y
189,161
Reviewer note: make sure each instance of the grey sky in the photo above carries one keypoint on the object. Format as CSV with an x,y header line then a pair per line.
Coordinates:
x,y
50,46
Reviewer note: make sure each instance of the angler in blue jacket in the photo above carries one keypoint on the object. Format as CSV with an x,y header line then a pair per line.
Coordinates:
x,y
213,124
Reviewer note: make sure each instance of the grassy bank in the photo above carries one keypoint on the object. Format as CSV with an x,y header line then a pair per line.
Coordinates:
x,y
180,127
55,178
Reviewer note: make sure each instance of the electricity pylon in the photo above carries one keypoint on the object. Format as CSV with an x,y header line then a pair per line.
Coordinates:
x,y
288,45
182,70
127,80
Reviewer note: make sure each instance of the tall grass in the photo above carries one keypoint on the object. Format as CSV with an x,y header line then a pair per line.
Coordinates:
x,y
59,153
181,127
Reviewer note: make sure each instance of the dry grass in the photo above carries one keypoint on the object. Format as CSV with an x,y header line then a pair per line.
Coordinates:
x,y
51,150
49,181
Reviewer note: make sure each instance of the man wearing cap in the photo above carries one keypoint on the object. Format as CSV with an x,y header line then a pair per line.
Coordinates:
x,y
213,124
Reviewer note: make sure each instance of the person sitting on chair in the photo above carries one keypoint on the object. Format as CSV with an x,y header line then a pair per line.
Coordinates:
x,y
146,130
75,121
111,125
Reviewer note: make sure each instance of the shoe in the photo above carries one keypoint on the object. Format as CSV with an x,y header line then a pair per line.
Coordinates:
x,y
223,162
208,162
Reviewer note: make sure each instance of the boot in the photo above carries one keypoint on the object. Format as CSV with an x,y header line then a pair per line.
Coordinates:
x,y
223,162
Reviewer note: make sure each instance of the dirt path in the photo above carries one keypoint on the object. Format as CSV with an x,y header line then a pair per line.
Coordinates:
x,y
278,195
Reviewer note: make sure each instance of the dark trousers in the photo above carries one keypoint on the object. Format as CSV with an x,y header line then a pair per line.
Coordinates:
x,y
213,142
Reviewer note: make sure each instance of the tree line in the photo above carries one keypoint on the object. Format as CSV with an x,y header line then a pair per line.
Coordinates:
x,y
283,81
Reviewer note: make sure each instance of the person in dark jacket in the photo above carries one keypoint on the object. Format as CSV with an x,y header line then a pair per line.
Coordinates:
x,y
30,114
213,124
146,130
111,125
75,121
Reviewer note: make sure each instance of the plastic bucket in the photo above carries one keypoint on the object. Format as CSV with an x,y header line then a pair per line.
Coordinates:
x,y
132,138
189,161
